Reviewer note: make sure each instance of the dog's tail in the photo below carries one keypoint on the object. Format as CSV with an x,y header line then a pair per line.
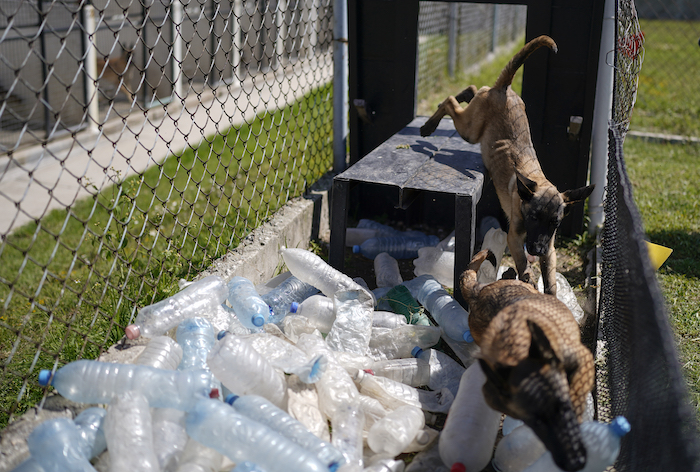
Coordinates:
x,y
508,72
468,283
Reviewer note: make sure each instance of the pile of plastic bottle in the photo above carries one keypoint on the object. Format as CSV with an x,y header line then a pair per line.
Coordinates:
x,y
311,371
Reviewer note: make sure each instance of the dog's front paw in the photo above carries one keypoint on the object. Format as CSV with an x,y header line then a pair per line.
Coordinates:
x,y
428,128
529,277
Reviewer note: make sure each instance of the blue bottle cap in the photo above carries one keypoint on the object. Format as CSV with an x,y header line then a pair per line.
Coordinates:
x,y
467,336
258,320
416,351
620,426
231,397
333,466
44,377
221,334
294,307
355,249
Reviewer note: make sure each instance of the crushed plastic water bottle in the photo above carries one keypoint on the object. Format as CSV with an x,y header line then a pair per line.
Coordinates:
x,y
319,310
392,394
217,425
352,328
348,422
197,299
410,371
129,433
391,434
398,247
86,381
436,262
250,309
197,337
445,372
388,319
280,298
263,411
243,370
302,405
446,311
288,358
161,352
60,444
169,436
566,295
386,270
399,342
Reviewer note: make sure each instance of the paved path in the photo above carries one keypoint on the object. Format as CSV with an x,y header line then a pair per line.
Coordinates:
x,y
37,180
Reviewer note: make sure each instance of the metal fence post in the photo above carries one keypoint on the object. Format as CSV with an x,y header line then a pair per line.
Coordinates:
x,y
178,58
340,83
236,42
452,40
92,99
281,32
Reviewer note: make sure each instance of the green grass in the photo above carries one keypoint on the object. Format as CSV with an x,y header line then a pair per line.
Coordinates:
x,y
668,99
665,183
432,92
70,284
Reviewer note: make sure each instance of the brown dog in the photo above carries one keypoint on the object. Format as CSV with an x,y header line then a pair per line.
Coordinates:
x,y
536,367
118,71
534,207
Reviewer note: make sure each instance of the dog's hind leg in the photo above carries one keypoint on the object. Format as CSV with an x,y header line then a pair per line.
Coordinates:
x,y
450,107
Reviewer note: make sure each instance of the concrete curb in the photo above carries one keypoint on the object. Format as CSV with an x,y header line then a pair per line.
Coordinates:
x,y
257,258
662,138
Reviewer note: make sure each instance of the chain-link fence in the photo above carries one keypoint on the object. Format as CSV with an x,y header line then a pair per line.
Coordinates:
x,y
140,140
639,375
669,92
456,37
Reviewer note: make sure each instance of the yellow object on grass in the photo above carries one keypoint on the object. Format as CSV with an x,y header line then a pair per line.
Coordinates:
x,y
658,254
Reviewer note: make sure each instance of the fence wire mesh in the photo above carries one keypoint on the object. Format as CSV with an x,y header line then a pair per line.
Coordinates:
x,y
639,376
456,37
140,140
669,92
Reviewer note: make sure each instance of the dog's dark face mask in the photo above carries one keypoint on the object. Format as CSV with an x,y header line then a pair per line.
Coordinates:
x,y
536,391
543,209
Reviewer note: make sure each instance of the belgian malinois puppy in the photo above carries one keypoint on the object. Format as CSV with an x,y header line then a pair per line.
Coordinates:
x,y
534,207
537,370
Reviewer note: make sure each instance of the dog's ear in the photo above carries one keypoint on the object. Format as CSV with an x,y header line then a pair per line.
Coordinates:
x,y
577,195
526,187
540,347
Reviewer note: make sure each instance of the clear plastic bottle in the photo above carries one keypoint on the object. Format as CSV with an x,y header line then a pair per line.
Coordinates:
x,y
161,352
392,394
352,328
199,458
496,240
197,299
288,358
247,466
319,309
313,270
566,295
250,309
336,386
86,381
386,465
60,444
373,409
509,424
196,336
386,270
388,319
471,427
348,423
280,298
448,244
395,431
169,436
445,372
302,405
602,442
399,342
517,450
446,311
354,236
217,425
129,433
263,411
398,247
410,371
436,262
382,229
243,370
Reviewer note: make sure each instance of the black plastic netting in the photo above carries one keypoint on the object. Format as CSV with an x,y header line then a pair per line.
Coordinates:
x,y
639,373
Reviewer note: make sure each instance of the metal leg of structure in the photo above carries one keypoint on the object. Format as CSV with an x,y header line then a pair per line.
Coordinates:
x,y
339,218
465,230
